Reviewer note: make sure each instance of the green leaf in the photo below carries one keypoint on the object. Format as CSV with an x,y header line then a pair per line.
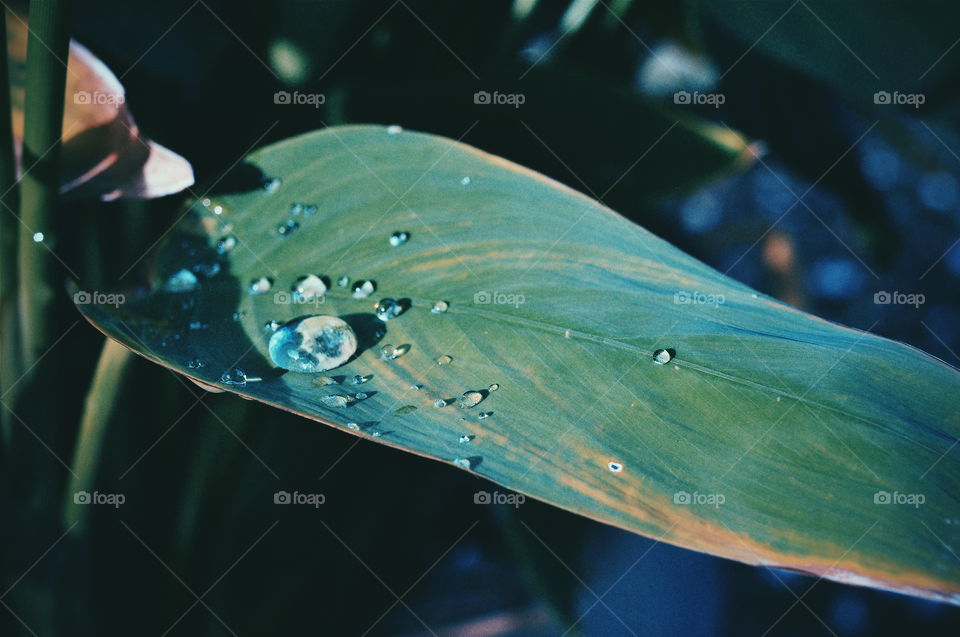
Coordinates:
x,y
770,438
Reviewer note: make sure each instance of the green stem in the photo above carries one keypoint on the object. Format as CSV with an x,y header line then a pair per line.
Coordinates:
x,y
47,53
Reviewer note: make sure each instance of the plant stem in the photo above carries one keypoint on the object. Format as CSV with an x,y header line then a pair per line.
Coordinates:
x,y
47,53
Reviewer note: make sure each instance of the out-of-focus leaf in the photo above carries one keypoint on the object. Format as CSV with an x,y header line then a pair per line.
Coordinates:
x,y
771,437
104,152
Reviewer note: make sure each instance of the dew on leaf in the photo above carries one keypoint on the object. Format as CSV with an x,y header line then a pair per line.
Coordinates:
x,y
399,238
470,399
663,356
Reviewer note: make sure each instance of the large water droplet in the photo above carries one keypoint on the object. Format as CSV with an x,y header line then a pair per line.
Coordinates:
x,y
470,399
663,356
309,288
313,344
287,228
388,309
399,238
226,244
337,401
440,307
181,281
363,289
445,359
260,286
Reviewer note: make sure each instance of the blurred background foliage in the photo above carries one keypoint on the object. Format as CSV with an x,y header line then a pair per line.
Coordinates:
x,y
880,210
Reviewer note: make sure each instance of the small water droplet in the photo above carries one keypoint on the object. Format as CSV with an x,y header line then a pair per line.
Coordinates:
x,y
308,288
354,426
466,463
238,316
287,228
323,381
465,181
336,401
755,295
388,309
390,352
295,209
394,129
360,379
483,415
207,270
272,185
360,395
440,307
566,334
195,363
470,399
778,399
399,238
363,289
309,210
260,286
206,203
271,326
218,210
343,281
493,387
416,387
440,402
226,244
181,281
465,439
663,356
313,344
616,467
445,359
198,325
237,376
37,237
406,409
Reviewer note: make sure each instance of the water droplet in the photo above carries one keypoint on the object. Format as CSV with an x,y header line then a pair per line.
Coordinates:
x,y
206,203
195,363
470,399
465,439
440,307
354,426
416,387
323,381
394,129
37,237
337,401
360,395
466,463
388,309
313,344
260,286
181,281
309,210
399,238
295,209
272,185
465,181
238,316
483,415
237,376
343,281
218,210
663,356
390,352
359,379
440,402
446,359
198,325
271,326
493,387
207,270
616,467
226,244
363,289
566,334
287,228
308,288
406,409
778,399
